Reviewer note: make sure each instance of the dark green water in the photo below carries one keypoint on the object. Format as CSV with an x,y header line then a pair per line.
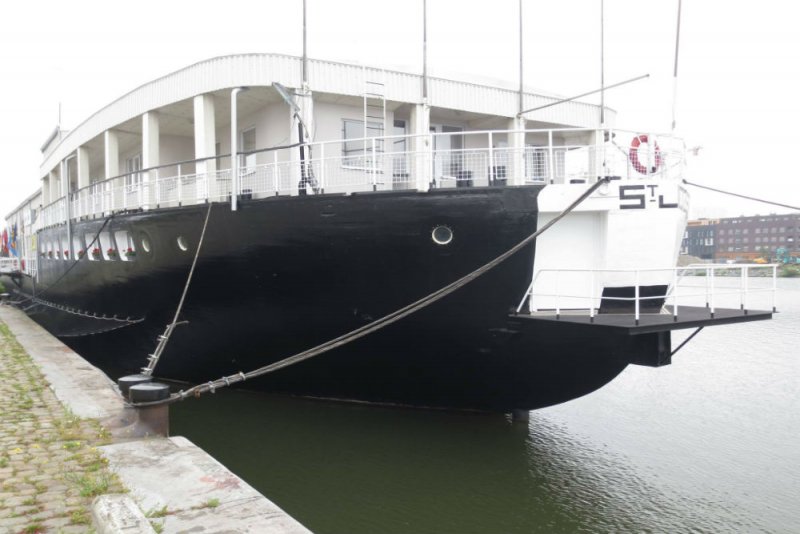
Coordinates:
x,y
709,444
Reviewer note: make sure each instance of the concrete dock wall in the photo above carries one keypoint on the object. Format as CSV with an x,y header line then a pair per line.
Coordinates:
x,y
178,485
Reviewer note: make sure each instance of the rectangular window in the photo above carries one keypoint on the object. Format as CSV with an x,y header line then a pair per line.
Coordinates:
x,y
247,143
355,151
133,178
399,147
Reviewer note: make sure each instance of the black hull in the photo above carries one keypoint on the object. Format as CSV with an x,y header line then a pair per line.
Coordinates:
x,y
281,275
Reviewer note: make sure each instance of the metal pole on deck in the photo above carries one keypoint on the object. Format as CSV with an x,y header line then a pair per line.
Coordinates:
x,y
521,90
234,141
424,51
675,70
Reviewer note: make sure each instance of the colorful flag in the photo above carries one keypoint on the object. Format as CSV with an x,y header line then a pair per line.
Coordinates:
x,y
12,240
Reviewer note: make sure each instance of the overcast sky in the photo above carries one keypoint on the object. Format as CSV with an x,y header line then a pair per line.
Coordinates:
x,y
738,84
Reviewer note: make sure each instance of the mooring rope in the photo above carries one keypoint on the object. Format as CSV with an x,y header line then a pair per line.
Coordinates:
x,y
152,360
378,324
687,182
82,313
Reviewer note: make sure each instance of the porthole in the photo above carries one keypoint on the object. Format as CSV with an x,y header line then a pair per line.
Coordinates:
x,y
146,244
182,243
442,235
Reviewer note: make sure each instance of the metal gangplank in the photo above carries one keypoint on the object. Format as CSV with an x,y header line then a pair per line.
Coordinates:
x,y
628,299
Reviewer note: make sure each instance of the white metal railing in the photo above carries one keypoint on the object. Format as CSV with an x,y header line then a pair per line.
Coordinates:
x,y
544,294
438,160
9,265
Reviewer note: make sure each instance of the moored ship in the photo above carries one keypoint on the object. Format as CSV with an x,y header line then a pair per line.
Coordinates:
x,y
340,200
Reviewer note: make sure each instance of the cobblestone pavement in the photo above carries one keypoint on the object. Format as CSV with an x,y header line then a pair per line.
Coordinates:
x,y
50,469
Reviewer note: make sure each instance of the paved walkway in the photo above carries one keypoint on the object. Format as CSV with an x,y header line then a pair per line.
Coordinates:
x,y
50,469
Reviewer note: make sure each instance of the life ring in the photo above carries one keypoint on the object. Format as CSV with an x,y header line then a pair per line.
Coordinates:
x,y
633,155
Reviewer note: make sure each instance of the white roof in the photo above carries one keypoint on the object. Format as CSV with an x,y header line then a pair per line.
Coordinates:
x,y
324,76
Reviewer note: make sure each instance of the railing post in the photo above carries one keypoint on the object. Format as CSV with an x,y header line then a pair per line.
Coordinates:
x,y
741,288
492,176
774,286
675,295
636,298
157,185
551,156
276,173
707,280
591,296
712,291
180,186
322,168
558,308
374,167
746,284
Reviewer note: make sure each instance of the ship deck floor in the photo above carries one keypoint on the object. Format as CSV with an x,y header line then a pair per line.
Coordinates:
x,y
688,317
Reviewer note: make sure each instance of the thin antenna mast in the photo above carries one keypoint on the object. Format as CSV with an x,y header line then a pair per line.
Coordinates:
x,y
520,58
305,55
602,66
425,50
675,71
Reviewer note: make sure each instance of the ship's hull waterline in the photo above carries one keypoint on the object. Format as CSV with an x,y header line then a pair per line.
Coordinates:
x,y
283,274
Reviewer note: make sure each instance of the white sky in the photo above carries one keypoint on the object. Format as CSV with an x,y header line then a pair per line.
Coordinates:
x,y
738,86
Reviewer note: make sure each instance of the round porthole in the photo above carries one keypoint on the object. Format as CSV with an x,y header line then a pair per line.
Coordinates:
x,y
146,244
182,243
442,235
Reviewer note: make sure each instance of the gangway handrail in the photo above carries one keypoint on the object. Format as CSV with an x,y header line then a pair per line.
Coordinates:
x,y
710,292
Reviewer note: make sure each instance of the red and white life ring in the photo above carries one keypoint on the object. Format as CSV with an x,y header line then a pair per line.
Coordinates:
x,y
633,155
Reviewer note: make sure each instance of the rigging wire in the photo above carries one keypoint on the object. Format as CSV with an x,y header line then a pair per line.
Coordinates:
x,y
687,182
378,323
164,338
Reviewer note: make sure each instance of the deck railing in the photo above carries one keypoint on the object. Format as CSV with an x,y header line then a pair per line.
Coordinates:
x,y
702,284
9,265
420,162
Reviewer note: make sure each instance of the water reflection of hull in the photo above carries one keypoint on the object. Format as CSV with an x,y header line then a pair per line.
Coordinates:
x,y
284,274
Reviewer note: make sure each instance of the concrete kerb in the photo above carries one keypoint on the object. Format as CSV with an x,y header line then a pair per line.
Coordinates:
x,y
201,492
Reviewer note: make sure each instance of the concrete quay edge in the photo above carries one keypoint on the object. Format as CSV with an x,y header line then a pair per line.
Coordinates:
x,y
192,490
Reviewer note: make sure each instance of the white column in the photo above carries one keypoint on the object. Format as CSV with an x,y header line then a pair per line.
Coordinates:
x,y
82,159
46,189
150,156
111,154
113,194
55,183
421,148
205,140
516,157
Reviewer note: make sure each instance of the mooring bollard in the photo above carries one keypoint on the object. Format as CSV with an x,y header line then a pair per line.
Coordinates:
x,y
154,419
126,382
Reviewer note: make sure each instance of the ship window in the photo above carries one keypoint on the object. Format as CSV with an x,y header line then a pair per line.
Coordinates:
x,y
107,249
127,250
356,153
146,244
77,247
133,178
183,244
442,235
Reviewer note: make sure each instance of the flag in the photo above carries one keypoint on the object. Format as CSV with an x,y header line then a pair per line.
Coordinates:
x,y
12,240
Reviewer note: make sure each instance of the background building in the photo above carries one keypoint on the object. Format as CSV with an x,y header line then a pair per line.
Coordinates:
x,y
743,238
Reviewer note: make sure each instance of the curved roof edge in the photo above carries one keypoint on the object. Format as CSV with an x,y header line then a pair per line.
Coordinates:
x,y
324,76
